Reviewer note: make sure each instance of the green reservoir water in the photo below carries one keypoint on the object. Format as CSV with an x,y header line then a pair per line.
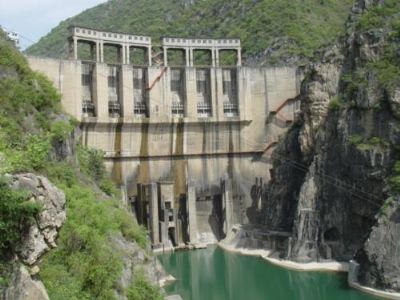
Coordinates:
x,y
214,274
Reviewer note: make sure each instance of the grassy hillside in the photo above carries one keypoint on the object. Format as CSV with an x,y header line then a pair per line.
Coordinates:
x,y
271,31
85,264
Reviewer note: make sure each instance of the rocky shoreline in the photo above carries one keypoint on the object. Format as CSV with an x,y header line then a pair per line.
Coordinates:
x,y
231,244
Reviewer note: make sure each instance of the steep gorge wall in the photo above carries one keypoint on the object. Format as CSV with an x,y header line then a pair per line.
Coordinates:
x,y
330,180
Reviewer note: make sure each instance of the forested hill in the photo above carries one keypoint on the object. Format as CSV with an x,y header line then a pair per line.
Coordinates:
x,y
271,31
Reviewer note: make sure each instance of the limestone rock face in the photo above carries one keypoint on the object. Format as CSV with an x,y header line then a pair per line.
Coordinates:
x,y
41,236
394,100
380,259
23,287
316,94
136,259
330,173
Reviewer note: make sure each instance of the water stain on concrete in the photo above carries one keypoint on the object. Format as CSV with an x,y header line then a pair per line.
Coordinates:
x,y
116,173
144,166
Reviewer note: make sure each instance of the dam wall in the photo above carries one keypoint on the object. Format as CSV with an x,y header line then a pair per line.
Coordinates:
x,y
196,128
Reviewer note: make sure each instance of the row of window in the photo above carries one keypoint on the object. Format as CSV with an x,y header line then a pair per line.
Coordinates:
x,y
112,35
177,85
140,109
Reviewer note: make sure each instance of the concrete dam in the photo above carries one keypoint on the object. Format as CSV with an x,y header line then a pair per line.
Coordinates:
x,y
188,143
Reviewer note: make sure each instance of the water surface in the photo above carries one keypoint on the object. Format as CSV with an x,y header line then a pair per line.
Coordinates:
x,y
215,274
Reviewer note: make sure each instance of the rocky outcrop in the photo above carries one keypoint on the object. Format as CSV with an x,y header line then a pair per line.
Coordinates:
x,y
330,174
42,235
380,258
320,88
38,239
24,287
136,260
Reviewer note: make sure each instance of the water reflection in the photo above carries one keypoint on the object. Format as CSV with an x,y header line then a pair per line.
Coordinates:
x,y
214,274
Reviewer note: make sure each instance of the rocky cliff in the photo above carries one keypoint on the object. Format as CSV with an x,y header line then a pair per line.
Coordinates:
x,y
334,183
38,238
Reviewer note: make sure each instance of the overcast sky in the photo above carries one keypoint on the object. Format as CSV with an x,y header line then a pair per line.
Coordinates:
x,y
34,18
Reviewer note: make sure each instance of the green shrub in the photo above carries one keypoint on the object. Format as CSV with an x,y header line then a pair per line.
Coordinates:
x,y
10,58
366,144
31,155
377,141
62,173
130,229
91,163
28,103
396,167
385,207
5,270
47,97
85,265
141,289
385,16
395,183
84,254
60,130
387,69
16,213
353,82
378,16
108,186
37,151
335,104
356,139
394,180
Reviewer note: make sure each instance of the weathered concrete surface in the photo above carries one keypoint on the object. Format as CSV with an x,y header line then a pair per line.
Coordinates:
x,y
202,150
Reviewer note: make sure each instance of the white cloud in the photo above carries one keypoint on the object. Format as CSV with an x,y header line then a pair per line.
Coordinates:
x,y
34,18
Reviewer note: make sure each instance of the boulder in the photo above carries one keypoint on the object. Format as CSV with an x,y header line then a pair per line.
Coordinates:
x,y
23,287
42,235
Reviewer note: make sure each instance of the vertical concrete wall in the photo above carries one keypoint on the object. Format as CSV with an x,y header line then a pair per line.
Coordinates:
x,y
192,214
101,91
204,150
227,199
154,218
191,94
127,91
66,77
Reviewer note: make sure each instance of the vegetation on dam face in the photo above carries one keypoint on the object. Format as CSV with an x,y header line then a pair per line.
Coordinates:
x,y
36,137
271,31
